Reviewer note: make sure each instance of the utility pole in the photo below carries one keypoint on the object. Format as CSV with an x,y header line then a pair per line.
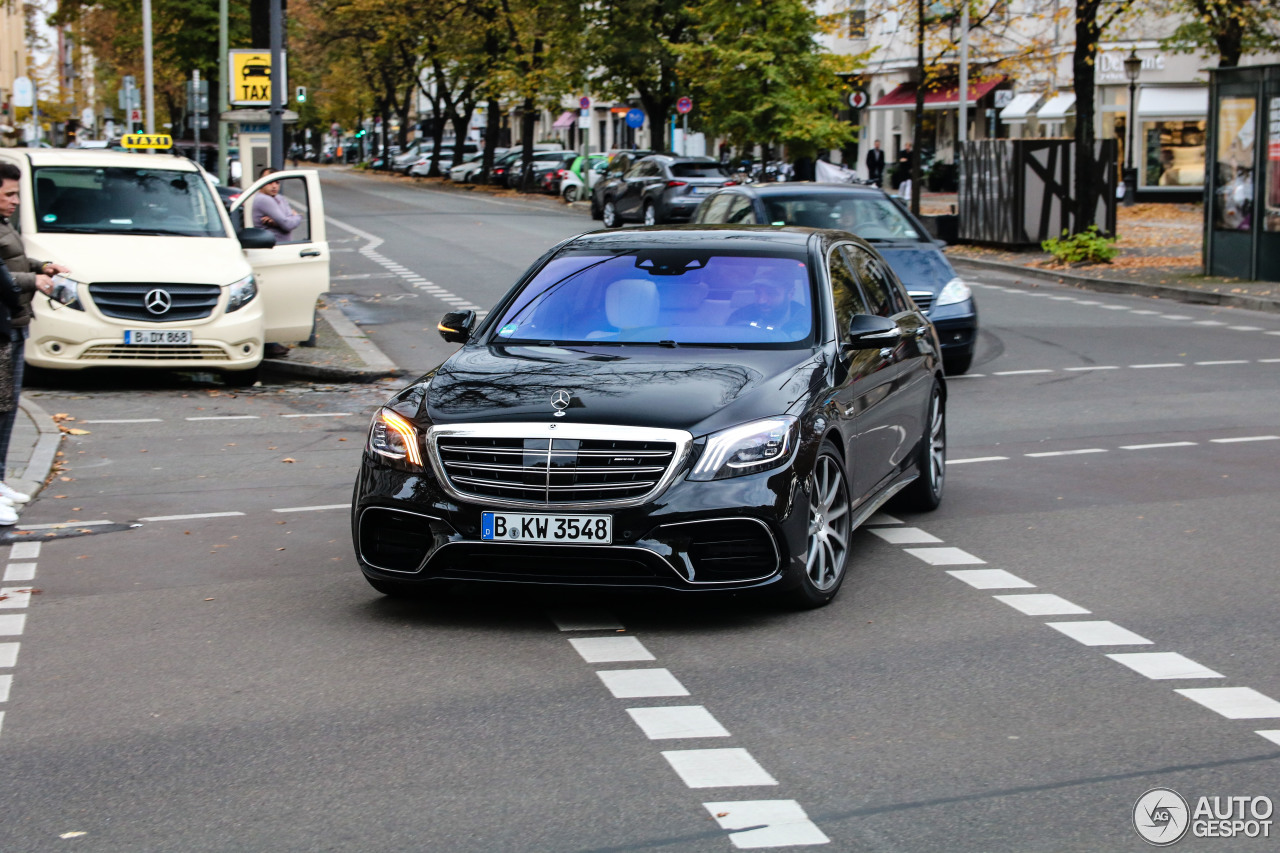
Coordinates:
x,y
149,119
222,91
277,86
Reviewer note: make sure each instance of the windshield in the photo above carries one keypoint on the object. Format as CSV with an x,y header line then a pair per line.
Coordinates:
x,y
698,170
113,200
664,296
870,217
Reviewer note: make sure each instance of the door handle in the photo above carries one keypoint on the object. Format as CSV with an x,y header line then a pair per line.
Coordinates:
x,y
309,253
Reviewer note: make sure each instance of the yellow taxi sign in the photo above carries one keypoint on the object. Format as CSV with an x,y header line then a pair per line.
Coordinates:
x,y
147,140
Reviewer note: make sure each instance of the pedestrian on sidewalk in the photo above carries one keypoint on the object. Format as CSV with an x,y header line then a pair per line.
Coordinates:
x,y
28,276
875,164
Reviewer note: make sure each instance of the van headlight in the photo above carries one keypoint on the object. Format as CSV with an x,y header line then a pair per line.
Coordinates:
x,y
746,449
242,293
954,291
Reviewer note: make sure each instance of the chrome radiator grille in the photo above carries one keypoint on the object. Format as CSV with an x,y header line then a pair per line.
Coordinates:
x,y
127,301
923,299
569,470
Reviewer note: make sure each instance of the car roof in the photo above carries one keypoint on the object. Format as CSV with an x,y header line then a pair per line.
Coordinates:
x,y
718,237
105,158
672,158
794,188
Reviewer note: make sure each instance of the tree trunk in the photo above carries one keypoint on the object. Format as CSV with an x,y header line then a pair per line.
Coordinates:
x,y
1083,65
492,119
527,119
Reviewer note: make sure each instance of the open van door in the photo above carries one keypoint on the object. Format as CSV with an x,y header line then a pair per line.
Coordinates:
x,y
292,275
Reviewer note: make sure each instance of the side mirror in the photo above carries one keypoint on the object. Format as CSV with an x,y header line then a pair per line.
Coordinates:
x,y
257,238
455,327
870,331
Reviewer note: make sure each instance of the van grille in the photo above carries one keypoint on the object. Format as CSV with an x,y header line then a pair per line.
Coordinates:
x,y
127,300
121,352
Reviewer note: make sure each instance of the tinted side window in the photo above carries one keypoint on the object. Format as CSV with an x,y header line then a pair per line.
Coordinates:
x,y
845,295
882,299
714,209
636,171
740,211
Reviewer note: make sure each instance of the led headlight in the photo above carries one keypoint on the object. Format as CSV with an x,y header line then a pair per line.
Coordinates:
x,y
394,436
746,449
954,291
242,293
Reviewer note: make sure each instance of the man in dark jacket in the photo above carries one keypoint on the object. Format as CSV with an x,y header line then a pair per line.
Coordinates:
x,y
875,164
29,275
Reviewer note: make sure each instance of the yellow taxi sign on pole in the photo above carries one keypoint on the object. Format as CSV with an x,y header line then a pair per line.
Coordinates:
x,y
250,78
147,140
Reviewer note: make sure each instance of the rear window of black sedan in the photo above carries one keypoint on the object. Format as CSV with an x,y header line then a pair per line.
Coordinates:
x,y
664,296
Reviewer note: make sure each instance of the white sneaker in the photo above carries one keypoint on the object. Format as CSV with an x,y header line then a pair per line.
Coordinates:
x,y
7,515
13,495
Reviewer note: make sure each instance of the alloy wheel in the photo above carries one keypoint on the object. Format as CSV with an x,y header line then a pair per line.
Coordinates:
x,y
828,524
610,215
937,460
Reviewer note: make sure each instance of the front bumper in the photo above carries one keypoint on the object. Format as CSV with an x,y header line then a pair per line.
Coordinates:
x,y
956,324
739,533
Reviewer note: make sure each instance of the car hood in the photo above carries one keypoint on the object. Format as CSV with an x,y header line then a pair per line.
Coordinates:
x,y
143,258
695,389
920,267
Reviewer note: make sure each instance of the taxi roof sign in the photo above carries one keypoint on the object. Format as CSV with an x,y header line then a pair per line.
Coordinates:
x,y
147,140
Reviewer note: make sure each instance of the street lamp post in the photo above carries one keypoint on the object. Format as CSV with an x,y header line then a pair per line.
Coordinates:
x,y
1132,68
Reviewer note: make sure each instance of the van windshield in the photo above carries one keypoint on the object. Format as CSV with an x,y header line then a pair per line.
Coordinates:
x,y
115,200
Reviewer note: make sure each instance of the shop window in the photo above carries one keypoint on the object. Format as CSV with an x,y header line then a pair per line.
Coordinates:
x,y
1272,222
1173,154
858,23
1233,202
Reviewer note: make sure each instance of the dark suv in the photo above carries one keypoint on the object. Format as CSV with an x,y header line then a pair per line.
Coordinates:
x,y
660,188
613,173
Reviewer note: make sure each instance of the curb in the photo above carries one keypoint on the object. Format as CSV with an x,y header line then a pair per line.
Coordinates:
x,y
1109,285
40,464
376,363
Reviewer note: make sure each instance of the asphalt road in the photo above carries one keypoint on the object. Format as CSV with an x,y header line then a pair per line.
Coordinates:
x,y
226,681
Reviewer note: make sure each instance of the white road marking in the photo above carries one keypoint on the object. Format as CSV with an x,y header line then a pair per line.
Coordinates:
x,y
125,421
191,516
321,415
24,551
966,376
1164,665
1144,311
717,768
1155,446
977,459
1115,307
20,571
308,508
1150,366
677,721
1041,604
224,418
11,625
1067,452
905,535
944,556
1208,323
1087,302
1020,372
882,518
1272,735
1244,438
6,682
1234,703
1229,361
611,649
1245,328
1094,367
585,620
8,655
1174,317
641,683
64,525
990,579
1099,633
767,823
14,597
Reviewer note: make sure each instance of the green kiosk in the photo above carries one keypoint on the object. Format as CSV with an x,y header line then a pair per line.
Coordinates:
x,y
1242,187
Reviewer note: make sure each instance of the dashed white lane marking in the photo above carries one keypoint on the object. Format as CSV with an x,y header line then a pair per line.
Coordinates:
x,y
125,421
8,655
20,571
905,535
767,823
1041,604
1021,372
641,683
882,518
6,682
1066,452
1157,445
978,459
990,579
677,721
1094,367
1244,438
1208,323
1234,703
1227,361
11,625
1149,366
308,508
717,768
321,415
224,418
944,556
24,551
191,516
13,597
1101,633
611,649
585,620
1164,665
1272,735
1245,328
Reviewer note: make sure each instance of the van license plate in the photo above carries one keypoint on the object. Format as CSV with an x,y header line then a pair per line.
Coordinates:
x,y
158,337
518,527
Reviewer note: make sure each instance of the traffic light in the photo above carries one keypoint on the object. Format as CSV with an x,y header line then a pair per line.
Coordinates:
x,y
359,133
301,95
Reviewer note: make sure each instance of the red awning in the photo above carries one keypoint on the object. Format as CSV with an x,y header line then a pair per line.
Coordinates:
x,y
943,96
566,119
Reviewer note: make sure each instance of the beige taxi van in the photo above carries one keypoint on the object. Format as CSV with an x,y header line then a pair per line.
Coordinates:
x,y
161,276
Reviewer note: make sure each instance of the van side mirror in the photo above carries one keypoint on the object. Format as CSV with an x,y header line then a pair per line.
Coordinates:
x,y
257,238
455,327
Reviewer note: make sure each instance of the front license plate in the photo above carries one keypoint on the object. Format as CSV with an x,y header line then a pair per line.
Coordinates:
x,y
518,527
160,337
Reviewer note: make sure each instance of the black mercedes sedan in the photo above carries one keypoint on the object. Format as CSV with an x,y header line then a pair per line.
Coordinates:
x,y
872,214
679,408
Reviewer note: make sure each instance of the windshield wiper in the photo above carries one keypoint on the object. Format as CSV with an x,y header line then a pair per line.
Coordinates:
x,y
162,232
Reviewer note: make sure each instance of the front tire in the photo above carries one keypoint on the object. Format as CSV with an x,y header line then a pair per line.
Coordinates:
x,y
609,216
957,363
570,194
830,528
925,493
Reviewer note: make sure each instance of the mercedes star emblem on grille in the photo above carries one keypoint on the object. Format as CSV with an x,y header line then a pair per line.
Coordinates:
x,y
158,301
560,399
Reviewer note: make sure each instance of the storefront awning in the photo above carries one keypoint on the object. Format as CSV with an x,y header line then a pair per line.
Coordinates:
x,y
567,118
1175,103
1058,107
1021,108
943,97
